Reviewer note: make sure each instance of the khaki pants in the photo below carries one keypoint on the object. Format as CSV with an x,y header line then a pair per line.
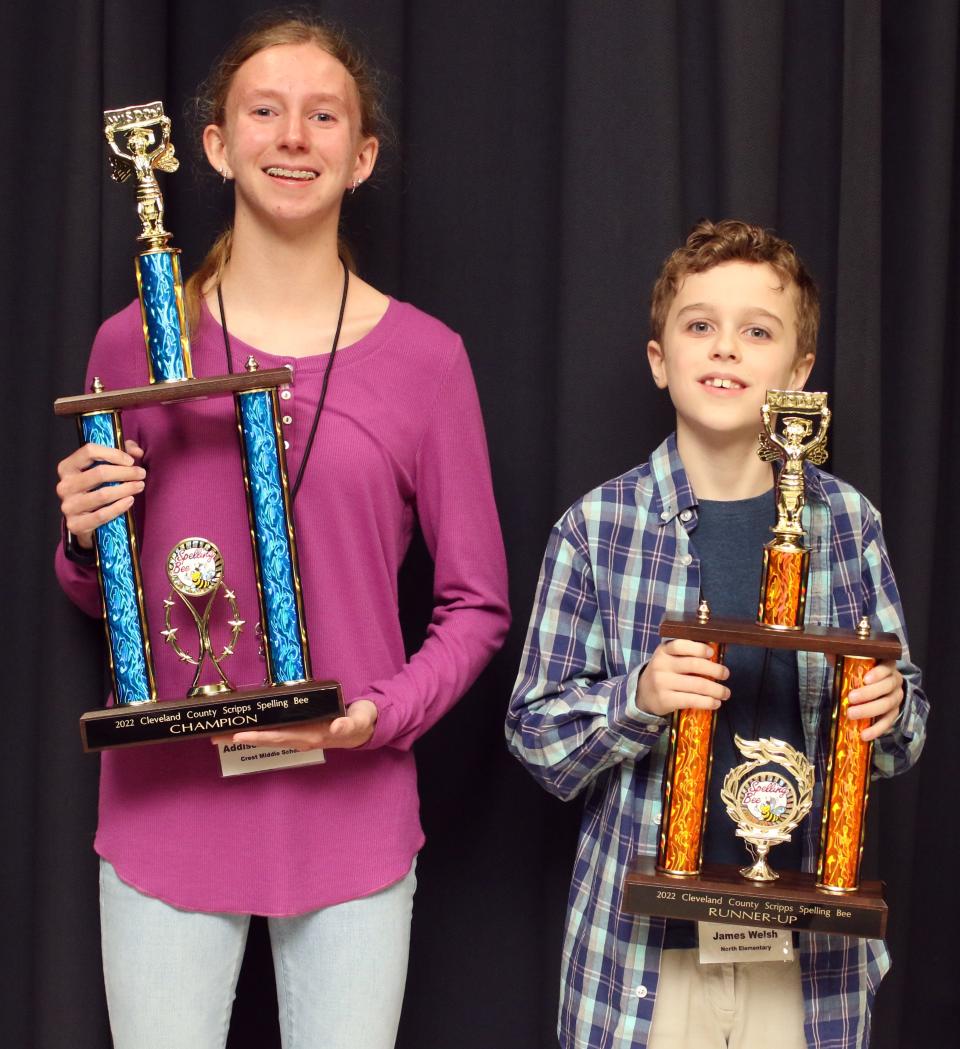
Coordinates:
x,y
746,1005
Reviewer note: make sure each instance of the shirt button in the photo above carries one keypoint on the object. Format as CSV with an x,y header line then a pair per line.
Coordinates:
x,y
286,444
285,395
686,560
685,515
641,991
664,515
288,419
657,818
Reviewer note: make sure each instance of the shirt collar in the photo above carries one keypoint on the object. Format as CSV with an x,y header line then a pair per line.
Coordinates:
x,y
673,491
813,483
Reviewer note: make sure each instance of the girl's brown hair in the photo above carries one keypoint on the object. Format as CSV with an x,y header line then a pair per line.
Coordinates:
x,y
209,107
711,243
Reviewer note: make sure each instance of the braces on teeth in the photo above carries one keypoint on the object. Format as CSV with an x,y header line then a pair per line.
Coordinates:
x,y
288,173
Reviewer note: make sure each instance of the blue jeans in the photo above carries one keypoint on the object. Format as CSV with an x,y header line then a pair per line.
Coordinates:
x,y
171,975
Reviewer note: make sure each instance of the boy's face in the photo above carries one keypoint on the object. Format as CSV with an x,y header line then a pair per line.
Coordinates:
x,y
730,335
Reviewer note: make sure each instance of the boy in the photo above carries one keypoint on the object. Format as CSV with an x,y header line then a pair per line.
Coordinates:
x,y
734,313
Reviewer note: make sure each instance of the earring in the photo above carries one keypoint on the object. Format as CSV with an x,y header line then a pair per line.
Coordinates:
x,y
356,184
223,175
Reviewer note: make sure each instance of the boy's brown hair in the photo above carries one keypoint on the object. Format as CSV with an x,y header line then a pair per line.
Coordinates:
x,y
711,243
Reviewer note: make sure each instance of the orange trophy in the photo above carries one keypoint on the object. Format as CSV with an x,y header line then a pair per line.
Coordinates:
x,y
771,792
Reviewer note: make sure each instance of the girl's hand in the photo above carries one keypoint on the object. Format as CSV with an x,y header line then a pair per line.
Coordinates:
x,y
84,503
880,697
351,730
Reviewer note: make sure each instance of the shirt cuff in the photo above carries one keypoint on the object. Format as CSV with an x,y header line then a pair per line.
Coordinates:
x,y
910,720
386,727
635,727
74,552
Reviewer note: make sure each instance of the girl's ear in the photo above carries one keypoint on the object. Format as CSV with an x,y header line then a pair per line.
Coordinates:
x,y
215,149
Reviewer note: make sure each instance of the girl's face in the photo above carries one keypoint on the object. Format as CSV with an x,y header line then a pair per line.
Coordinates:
x,y
291,135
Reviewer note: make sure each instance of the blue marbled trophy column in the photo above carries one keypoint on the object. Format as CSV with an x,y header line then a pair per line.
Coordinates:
x,y
160,287
268,504
128,641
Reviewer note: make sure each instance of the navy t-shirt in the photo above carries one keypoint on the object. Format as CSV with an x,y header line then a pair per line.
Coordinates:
x,y
764,688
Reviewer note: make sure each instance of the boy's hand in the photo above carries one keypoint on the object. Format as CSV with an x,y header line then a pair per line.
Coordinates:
x,y
880,697
680,675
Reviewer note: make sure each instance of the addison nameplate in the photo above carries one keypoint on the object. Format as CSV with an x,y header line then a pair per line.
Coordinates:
x,y
721,894
137,723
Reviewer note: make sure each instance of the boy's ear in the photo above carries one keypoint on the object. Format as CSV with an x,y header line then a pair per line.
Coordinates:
x,y
655,357
801,371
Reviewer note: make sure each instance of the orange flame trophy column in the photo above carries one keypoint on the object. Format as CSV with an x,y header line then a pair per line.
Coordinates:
x,y
848,781
686,781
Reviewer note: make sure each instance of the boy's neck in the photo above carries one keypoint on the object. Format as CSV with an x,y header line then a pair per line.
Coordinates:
x,y
723,469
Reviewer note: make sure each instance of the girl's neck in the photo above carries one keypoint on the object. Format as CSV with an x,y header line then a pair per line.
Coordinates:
x,y
283,275
282,292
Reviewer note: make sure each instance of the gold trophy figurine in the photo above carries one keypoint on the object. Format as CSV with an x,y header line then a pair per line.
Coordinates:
x,y
793,448
137,126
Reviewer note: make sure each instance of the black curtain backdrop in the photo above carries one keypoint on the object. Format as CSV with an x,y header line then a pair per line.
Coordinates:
x,y
549,155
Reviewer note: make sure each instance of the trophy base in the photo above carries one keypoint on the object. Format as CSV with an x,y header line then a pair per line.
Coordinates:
x,y
720,894
137,724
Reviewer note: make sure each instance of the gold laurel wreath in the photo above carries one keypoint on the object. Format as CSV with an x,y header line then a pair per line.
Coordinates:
x,y
760,752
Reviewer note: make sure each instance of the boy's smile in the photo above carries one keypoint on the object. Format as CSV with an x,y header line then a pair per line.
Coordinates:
x,y
730,335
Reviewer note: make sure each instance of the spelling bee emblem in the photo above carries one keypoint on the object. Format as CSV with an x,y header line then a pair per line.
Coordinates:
x,y
767,797
195,569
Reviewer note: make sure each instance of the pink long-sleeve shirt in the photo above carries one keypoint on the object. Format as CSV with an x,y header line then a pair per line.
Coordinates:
x,y
400,439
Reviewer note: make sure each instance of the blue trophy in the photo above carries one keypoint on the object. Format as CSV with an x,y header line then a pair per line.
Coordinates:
x,y
139,141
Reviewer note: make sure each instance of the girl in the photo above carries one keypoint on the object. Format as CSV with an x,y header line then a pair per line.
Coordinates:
x,y
383,429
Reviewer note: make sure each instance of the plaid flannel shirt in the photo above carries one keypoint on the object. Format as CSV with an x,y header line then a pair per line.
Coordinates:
x,y
618,562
